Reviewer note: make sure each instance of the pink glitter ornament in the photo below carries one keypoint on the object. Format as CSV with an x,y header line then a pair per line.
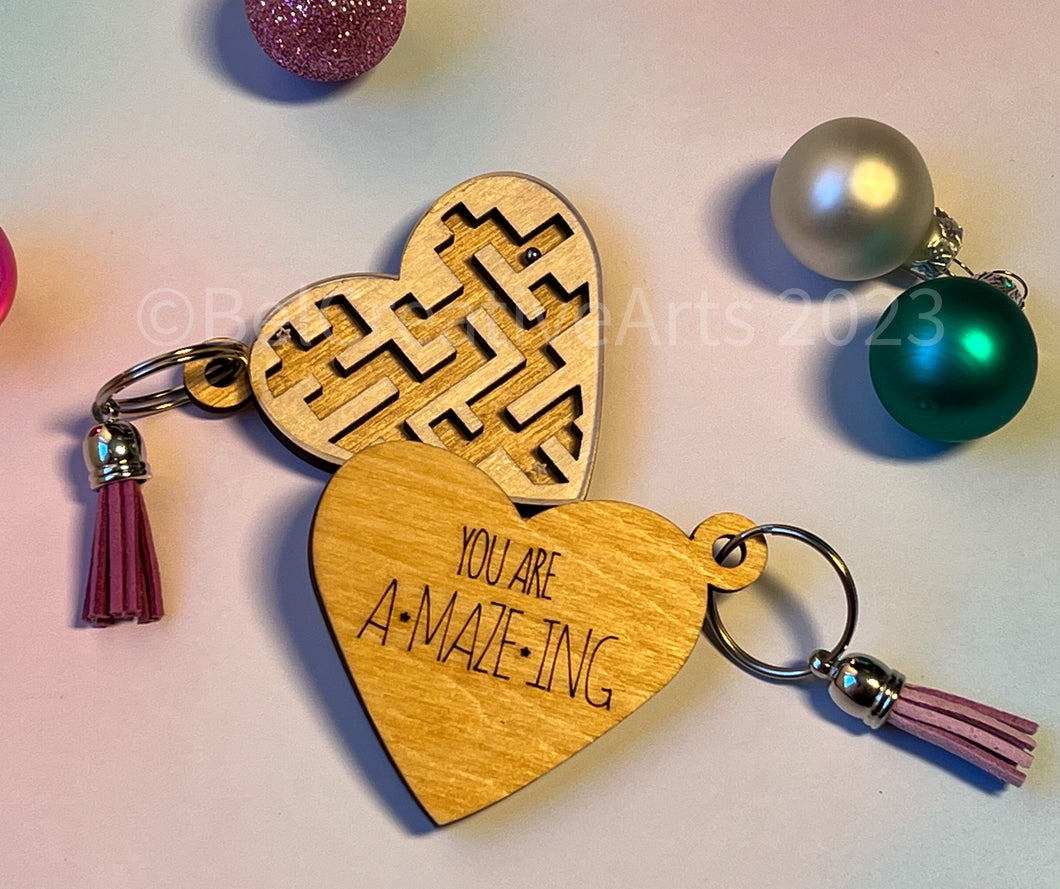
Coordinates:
x,y
326,40
8,275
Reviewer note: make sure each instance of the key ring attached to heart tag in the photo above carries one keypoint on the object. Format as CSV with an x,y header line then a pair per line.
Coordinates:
x,y
724,639
446,397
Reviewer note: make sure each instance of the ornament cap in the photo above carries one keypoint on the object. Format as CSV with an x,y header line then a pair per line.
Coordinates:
x,y
939,248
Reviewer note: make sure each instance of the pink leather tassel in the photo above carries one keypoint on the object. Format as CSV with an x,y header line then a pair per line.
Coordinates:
x,y
995,741
123,578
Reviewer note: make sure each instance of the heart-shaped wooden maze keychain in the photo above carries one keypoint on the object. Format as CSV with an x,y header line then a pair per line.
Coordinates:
x,y
444,397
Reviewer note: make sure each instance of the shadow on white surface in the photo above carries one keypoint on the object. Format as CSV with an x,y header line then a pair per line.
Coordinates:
x,y
73,428
752,244
388,257
801,631
817,695
296,606
849,399
229,46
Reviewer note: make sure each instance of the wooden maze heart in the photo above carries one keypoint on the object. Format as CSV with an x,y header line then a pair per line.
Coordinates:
x,y
488,648
488,344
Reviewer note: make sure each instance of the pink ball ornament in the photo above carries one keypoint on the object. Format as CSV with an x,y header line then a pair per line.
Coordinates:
x,y
8,275
326,40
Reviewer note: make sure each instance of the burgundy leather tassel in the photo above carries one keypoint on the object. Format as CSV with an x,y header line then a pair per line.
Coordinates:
x,y
997,742
123,578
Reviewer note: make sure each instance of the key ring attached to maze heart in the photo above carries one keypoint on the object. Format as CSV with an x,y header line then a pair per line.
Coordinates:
x,y
444,397
227,358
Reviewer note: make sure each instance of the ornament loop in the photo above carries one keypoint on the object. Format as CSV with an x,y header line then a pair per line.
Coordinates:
x,y
737,654
1009,283
108,408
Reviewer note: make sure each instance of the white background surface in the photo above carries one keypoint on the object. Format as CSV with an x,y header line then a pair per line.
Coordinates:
x,y
148,146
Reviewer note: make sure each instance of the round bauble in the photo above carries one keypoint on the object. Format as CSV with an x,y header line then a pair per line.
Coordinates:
x,y
852,199
8,275
326,40
953,359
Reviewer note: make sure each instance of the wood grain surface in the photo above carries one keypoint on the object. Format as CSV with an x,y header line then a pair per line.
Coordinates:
x,y
487,344
488,648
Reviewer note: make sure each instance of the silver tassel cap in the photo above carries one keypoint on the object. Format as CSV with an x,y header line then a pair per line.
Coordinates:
x,y
114,452
860,685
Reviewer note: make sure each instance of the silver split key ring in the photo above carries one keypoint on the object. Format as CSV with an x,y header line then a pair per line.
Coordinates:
x,y
739,655
108,407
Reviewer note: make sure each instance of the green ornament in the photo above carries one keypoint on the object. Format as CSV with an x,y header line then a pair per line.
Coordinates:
x,y
953,359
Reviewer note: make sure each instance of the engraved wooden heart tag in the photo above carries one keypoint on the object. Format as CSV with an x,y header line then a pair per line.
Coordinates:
x,y
488,344
488,648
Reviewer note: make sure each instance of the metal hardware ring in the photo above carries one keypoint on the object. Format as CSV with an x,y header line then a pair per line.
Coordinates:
x,y
729,646
108,407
